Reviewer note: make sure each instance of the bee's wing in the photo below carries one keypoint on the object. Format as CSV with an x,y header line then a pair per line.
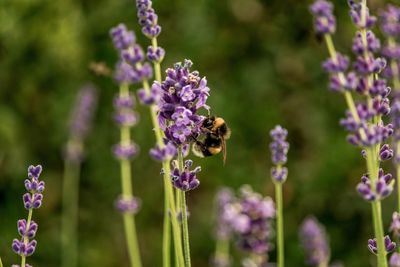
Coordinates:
x,y
223,144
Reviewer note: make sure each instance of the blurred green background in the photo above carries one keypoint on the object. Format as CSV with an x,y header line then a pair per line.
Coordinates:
x,y
262,62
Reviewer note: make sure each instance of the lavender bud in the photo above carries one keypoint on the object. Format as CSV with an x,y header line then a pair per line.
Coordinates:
x,y
126,151
155,54
324,21
131,205
385,153
389,245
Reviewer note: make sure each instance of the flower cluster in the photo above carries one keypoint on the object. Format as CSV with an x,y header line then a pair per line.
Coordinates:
x,y
26,245
125,205
383,186
279,149
389,245
184,92
314,241
324,20
148,18
185,180
81,122
125,117
250,217
131,67
390,26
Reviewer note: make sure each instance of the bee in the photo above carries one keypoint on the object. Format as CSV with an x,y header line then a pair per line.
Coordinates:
x,y
213,141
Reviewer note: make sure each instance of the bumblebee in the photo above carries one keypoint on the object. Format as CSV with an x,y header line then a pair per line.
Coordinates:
x,y
213,141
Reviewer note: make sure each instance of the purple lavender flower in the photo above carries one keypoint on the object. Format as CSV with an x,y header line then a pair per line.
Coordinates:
x,y
395,225
389,245
356,15
324,20
390,20
314,241
250,218
184,92
394,260
125,117
121,37
279,149
131,68
383,186
162,154
81,122
155,54
128,205
25,246
150,98
148,19
187,179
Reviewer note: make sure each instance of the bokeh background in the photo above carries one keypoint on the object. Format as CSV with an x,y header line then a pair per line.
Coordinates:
x,y
262,62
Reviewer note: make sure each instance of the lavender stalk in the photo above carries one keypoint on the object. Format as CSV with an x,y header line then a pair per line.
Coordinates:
x,y
148,19
279,148
80,124
27,229
363,120
390,26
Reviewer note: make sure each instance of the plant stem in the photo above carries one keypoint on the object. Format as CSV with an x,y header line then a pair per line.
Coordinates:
x,y
174,220
126,182
157,66
376,208
279,226
69,220
221,250
185,227
1,263
169,198
26,240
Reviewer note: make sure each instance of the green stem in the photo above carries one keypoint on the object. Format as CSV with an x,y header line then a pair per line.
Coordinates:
x,y
376,208
126,182
222,250
26,240
69,220
185,230
166,249
185,227
1,263
279,226
179,259
169,199
157,66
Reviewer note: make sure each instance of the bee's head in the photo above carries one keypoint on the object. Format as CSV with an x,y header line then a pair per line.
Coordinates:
x,y
208,122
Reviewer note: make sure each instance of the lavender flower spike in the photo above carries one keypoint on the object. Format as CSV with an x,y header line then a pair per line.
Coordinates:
x,y
279,149
131,67
324,20
25,245
314,240
250,217
148,18
81,122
